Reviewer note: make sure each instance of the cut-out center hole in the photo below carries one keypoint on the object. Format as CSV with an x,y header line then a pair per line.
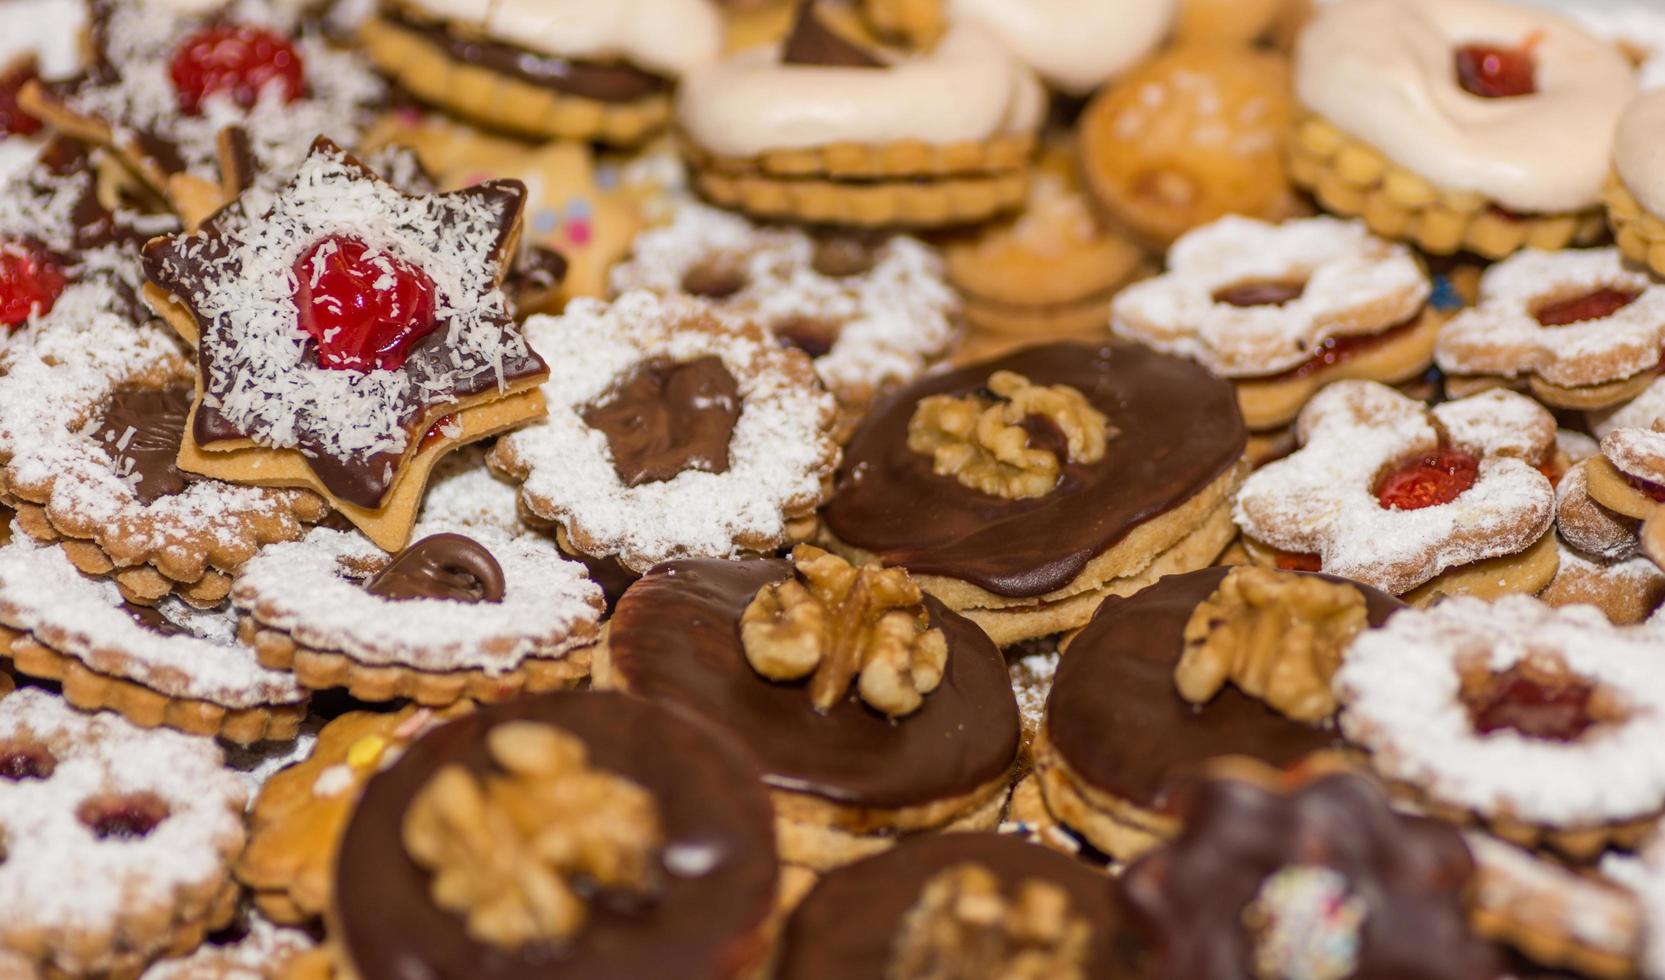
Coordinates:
x,y
1593,305
813,337
841,256
1262,292
1553,707
123,816
714,278
25,760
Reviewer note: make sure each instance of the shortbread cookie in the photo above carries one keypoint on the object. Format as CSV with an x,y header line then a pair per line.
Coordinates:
x,y
1283,310
1600,562
168,665
1628,478
585,835
118,841
1022,491
168,81
251,948
1579,328
824,129
1635,191
673,432
875,711
955,905
1538,722
1417,502
1505,150
547,69
872,313
349,336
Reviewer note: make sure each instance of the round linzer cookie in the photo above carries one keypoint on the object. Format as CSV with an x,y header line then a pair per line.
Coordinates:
x,y
164,665
1627,479
1022,491
871,312
567,69
1283,310
1540,723
1418,502
827,129
673,432
1507,149
875,711
200,98
1160,683
348,336
251,949
565,835
1601,561
954,905
1636,188
119,841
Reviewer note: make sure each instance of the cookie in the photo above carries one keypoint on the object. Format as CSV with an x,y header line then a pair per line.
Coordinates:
x,y
1074,45
1600,562
1507,150
1021,491
1273,23
254,949
43,38
348,337
906,724
1634,189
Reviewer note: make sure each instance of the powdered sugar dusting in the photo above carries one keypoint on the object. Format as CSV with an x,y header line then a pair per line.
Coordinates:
x,y
1517,882
463,492
1640,412
258,955
1637,452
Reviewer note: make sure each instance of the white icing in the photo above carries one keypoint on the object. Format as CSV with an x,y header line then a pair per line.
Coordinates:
x,y
1637,26
49,31
670,37
1639,151
1383,71
967,89
1076,45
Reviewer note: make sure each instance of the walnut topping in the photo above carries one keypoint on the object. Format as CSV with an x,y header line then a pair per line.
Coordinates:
x,y
516,850
834,622
963,928
987,439
1278,636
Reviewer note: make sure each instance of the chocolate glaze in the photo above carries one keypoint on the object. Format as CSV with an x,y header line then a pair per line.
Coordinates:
x,y
846,926
1177,429
696,927
1117,719
812,42
140,431
441,566
666,418
675,638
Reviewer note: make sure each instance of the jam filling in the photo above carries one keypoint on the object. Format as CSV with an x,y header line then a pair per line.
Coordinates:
x,y
1493,72
13,120
1299,561
1647,488
1528,703
1259,293
1431,480
20,761
130,816
1593,305
236,59
365,308
436,432
31,281
1335,350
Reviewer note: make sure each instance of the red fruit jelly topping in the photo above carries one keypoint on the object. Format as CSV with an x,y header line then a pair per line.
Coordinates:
x,y
238,59
13,120
1496,73
1438,478
1647,488
1516,700
365,308
1590,306
1296,561
129,816
30,282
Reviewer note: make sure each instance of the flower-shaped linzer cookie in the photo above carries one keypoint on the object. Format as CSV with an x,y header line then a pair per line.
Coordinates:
x,y
1391,493
348,336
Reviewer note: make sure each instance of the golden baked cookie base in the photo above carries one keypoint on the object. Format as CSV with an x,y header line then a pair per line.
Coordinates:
x,y
1544,925
1587,398
1352,178
1639,234
1581,844
1526,572
138,938
504,101
1113,825
1624,601
1609,488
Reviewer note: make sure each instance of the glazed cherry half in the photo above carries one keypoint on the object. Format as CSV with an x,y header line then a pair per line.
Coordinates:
x,y
365,308
31,281
1497,73
236,59
1428,481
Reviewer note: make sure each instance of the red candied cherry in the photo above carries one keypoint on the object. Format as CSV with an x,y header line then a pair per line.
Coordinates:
x,y
30,282
13,120
365,308
1593,305
1492,72
1437,478
238,59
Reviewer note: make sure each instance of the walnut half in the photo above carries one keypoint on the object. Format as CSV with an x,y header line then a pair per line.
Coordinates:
x,y
983,438
834,622
963,928
515,852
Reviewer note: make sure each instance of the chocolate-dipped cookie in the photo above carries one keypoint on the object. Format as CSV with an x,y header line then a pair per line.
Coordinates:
x,y
857,755
667,867
1022,491
1123,723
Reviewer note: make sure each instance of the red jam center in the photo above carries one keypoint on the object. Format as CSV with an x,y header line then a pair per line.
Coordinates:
x,y
21,761
1593,305
130,816
365,308
1438,478
1514,700
1647,488
1260,293
30,282
13,120
236,59
1497,73
1299,561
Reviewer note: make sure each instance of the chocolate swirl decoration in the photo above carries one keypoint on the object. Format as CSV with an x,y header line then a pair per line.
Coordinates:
x,y
140,431
441,566
666,418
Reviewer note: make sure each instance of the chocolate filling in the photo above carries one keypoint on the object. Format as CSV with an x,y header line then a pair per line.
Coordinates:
x,y
812,42
675,638
667,418
1260,293
149,618
140,432
441,566
1178,429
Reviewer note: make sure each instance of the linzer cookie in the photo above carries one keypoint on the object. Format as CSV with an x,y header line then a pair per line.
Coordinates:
x,y
1601,560
673,432
956,905
564,69
1418,502
876,712
118,841
825,128
1635,190
565,835
1283,310
1022,491
871,312
254,949
1538,722
1160,683
1628,479
348,337
1505,149
166,665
